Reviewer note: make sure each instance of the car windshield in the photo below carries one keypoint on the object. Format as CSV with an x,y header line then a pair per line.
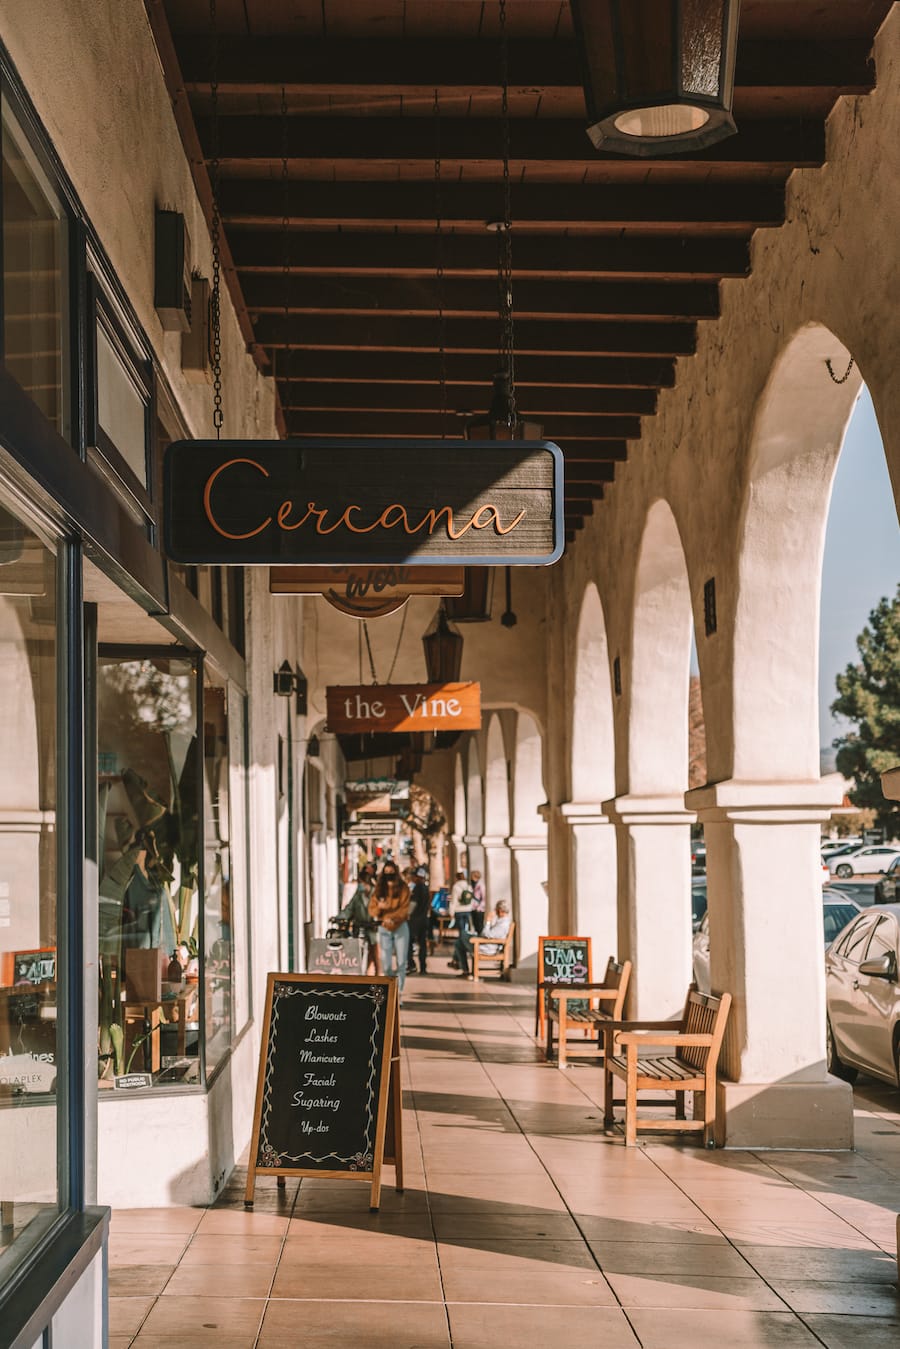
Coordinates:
x,y
837,916
698,903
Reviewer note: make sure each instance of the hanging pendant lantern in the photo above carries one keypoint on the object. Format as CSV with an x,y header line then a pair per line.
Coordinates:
x,y
658,74
474,604
443,647
502,422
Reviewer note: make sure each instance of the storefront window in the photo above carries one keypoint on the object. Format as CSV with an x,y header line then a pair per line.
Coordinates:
x,y
35,310
150,928
217,870
29,958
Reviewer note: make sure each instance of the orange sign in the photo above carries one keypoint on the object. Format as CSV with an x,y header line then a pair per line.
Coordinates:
x,y
354,708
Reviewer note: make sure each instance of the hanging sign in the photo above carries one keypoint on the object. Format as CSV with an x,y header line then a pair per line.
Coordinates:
x,y
363,503
328,1092
367,592
372,828
352,708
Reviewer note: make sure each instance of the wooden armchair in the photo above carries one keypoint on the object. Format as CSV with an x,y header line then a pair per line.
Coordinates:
x,y
671,1056
586,1008
499,960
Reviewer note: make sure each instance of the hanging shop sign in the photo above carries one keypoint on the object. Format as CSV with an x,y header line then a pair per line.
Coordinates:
x,y
377,786
367,592
400,708
363,503
328,1091
372,828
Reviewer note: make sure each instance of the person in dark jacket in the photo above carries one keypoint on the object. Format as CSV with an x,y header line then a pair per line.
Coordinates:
x,y
419,920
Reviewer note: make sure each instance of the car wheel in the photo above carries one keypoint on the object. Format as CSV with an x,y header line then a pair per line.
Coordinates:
x,y
833,1062
844,872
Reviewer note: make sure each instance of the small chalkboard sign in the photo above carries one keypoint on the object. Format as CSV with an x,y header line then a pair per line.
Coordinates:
x,y
336,955
561,960
328,1079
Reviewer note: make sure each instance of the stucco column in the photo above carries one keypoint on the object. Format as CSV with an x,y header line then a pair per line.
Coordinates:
x,y
458,844
594,899
475,853
529,885
653,845
765,926
497,868
559,889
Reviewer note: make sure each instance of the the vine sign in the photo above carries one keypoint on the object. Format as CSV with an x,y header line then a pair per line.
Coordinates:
x,y
328,1092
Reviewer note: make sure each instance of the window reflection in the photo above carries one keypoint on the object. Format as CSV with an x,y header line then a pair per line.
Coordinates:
x,y
217,869
150,867
29,959
34,285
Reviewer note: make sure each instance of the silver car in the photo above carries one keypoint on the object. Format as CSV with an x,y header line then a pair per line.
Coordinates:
x,y
837,910
863,996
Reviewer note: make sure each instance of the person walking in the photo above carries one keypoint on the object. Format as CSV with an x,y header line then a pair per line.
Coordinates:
x,y
479,905
461,903
356,913
389,906
419,921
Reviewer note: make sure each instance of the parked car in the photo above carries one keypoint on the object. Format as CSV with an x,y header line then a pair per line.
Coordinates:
x,y
698,901
862,994
837,911
886,888
862,862
698,857
843,845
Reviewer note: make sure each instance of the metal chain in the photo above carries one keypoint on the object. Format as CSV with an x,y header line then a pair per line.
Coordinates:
x,y
365,628
439,264
399,643
507,347
285,258
844,377
215,306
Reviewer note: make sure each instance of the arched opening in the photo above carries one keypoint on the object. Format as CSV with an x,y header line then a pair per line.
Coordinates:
x,y
474,808
498,864
797,438
654,842
529,841
592,844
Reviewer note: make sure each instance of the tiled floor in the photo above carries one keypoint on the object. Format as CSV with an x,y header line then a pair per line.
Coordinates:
x,y
523,1227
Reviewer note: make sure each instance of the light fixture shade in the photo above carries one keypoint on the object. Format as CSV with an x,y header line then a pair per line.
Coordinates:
x,y
500,422
443,647
658,74
474,604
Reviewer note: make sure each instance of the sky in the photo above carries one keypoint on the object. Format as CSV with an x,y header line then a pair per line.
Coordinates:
x,y
862,554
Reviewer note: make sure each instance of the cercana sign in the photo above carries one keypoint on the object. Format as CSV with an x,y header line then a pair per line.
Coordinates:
x,y
353,708
363,502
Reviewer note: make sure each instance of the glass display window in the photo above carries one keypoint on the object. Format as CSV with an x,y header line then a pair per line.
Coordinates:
x,y
31,1112
35,279
150,921
217,870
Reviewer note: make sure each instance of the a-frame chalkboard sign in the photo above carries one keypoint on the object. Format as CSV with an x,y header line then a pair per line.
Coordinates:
x,y
328,1093
561,960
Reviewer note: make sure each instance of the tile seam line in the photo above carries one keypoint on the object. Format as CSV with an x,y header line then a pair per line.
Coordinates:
x,y
425,1181
543,1166
284,1237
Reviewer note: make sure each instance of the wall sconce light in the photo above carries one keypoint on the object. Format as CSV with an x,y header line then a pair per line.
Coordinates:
x,y
658,74
287,680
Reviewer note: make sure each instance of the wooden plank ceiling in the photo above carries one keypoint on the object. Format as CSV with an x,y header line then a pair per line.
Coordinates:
x,y
333,263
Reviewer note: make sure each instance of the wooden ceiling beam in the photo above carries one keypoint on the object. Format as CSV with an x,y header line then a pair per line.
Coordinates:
x,y
713,207
557,299
373,254
536,143
408,425
532,400
463,67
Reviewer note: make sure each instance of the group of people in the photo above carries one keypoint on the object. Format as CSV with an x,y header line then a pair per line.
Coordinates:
x,y
393,910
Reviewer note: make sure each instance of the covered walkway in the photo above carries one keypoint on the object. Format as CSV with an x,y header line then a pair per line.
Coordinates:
x,y
523,1226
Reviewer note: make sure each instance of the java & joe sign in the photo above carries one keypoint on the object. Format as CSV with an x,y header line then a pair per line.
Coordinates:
x,y
375,502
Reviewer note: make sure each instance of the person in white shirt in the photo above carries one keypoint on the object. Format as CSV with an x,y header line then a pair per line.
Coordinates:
x,y
498,926
462,902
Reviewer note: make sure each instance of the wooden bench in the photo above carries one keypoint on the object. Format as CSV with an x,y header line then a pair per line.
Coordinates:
x,y
497,960
671,1056
605,1002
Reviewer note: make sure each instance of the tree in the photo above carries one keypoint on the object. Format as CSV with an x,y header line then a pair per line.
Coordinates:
x,y
869,696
